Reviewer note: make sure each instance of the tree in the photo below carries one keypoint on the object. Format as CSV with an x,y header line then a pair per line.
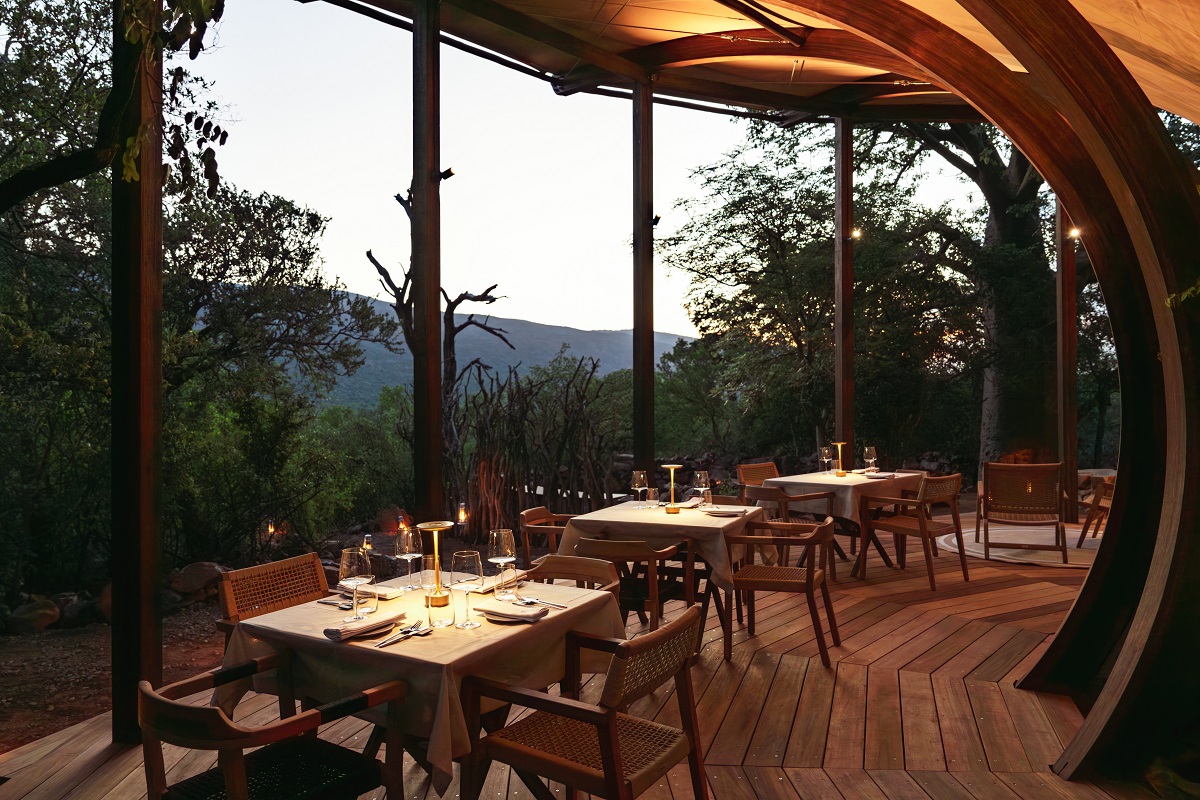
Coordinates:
x,y
64,104
759,248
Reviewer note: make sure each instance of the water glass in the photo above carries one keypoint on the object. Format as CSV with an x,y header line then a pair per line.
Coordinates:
x,y
639,485
408,547
354,570
827,458
869,457
467,574
701,484
502,551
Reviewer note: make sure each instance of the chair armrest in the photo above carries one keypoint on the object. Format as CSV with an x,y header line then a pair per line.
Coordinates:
x,y
316,717
475,687
562,519
883,500
219,677
778,541
578,639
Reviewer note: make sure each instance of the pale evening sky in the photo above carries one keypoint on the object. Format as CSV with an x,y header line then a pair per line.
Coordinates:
x,y
319,106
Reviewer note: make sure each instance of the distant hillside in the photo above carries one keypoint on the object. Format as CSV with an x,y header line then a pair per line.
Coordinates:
x,y
535,345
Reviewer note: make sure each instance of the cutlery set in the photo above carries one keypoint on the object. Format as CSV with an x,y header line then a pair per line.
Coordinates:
x,y
416,629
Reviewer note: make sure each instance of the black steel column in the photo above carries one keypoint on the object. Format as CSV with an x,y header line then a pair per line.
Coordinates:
x,y
843,281
136,391
427,264
643,277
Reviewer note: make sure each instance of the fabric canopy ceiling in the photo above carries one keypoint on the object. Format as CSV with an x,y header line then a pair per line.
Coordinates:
x,y
774,57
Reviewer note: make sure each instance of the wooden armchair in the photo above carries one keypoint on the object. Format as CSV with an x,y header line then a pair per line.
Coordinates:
x,y
773,495
642,595
1098,507
749,577
914,517
246,593
291,763
1023,495
599,749
590,573
540,520
754,474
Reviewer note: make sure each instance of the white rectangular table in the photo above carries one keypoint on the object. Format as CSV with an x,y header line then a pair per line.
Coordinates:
x,y
848,490
531,656
655,525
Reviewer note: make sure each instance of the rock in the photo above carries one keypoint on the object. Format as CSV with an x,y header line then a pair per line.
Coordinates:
x,y
33,616
4,612
199,578
81,611
331,573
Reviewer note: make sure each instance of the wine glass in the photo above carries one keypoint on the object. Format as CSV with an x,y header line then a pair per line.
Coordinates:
x,y
354,571
827,458
466,573
408,547
502,551
701,484
869,457
639,485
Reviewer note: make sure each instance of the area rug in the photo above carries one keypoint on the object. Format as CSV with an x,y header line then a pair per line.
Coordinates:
x,y
1080,558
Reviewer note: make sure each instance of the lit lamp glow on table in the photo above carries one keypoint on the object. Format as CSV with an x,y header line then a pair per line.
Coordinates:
x,y
841,473
440,597
671,507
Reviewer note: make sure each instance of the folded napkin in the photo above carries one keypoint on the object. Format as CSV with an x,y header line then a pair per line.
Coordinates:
x,y
880,475
510,611
363,627
723,510
691,502
382,592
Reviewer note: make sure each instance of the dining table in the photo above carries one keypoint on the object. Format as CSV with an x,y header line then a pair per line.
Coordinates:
x,y
848,490
706,527
528,655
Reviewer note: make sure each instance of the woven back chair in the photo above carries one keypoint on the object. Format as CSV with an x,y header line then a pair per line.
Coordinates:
x,y
248,592
288,764
598,749
755,474
1026,495
1098,507
589,573
750,577
913,516
541,521
644,585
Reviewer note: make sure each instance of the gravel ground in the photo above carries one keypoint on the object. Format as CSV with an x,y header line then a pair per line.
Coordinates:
x,y
56,678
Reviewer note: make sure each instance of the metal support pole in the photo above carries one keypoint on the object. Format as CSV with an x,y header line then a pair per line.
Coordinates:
x,y
643,277
136,391
427,264
843,281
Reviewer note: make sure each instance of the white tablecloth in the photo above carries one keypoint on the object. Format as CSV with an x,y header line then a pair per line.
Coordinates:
x,y
847,491
654,525
526,655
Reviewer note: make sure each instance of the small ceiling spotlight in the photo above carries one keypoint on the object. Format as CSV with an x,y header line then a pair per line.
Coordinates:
x,y
447,174
1074,233
856,233
654,221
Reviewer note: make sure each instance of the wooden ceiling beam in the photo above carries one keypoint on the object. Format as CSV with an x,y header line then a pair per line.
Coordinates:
x,y
853,96
564,42
793,36
828,44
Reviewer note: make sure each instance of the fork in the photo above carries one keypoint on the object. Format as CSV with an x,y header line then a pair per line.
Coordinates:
x,y
403,633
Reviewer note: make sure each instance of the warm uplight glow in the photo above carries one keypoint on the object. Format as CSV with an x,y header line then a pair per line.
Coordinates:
x,y
462,512
856,233
1074,233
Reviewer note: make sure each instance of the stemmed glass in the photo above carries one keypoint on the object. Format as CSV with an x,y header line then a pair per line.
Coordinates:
x,y
408,547
701,484
827,458
502,551
466,572
869,457
639,485
354,571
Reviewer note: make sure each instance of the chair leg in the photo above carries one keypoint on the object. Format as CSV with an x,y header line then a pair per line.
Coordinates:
x,y
374,741
978,517
816,623
928,561
901,543
538,789
525,548
750,613
962,554
1083,532
737,602
1062,532
833,631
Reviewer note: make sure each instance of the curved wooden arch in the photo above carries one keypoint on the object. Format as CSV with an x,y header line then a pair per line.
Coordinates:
x,y
823,43
1122,572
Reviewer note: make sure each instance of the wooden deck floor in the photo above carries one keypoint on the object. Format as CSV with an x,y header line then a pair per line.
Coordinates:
x,y
918,705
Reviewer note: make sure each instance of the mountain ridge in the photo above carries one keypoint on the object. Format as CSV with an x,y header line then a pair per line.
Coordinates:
x,y
535,344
